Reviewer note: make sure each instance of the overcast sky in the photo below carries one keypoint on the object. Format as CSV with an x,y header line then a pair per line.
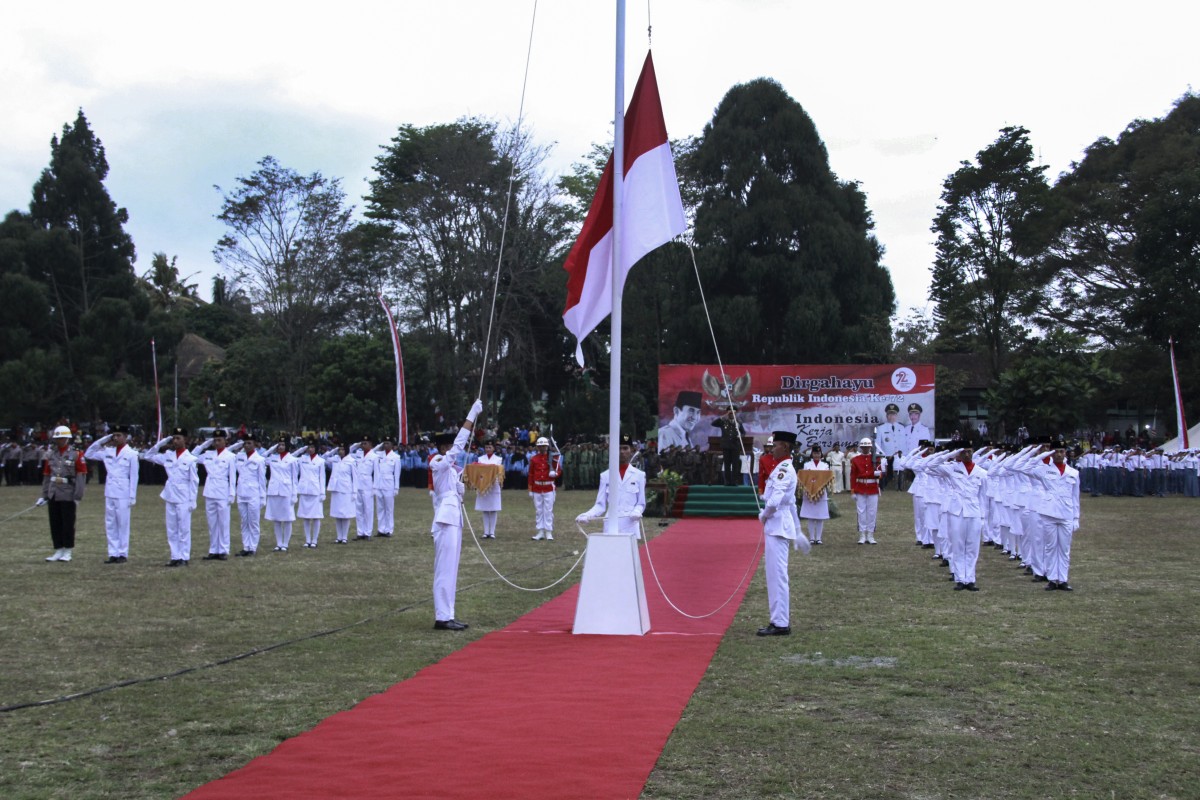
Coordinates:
x,y
188,96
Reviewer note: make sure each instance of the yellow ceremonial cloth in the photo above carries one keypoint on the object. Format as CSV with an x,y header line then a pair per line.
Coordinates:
x,y
483,476
812,482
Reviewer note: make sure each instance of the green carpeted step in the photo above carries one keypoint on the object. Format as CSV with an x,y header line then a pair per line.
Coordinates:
x,y
720,501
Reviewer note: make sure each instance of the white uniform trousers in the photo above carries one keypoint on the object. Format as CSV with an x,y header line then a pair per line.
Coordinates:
x,y
179,530
447,546
919,518
775,565
965,534
116,525
489,523
1033,547
251,520
1057,535
217,512
815,528
342,528
364,504
543,509
867,506
385,510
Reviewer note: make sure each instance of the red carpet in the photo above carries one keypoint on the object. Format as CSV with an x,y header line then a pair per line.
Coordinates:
x,y
558,715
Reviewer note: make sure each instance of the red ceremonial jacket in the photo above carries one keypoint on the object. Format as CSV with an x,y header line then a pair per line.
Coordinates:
x,y
766,463
862,475
539,473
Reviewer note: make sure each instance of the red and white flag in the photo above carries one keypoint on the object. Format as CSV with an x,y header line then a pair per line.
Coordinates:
x,y
401,404
157,397
652,213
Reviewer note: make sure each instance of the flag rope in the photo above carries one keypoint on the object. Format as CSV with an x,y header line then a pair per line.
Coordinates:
x,y
512,176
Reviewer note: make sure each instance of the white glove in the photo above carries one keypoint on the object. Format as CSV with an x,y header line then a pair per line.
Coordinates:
x,y
553,474
476,409
132,502
762,516
531,494
41,501
635,514
584,518
431,492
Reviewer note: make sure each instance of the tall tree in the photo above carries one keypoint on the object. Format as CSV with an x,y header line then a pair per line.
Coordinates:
x,y
791,268
985,280
283,247
442,191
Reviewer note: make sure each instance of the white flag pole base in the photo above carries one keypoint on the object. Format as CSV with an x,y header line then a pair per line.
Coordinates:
x,y
612,595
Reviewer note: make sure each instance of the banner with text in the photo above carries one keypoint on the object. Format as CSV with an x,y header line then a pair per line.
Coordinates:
x,y
823,404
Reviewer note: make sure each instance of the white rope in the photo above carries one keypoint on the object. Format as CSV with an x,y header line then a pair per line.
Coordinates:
x,y
721,367
512,176
728,600
19,513
501,576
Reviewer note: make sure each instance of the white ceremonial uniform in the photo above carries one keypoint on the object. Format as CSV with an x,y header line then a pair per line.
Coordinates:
x,y
447,525
120,491
631,501
387,486
816,512
251,497
179,494
487,502
364,502
1058,508
779,529
310,494
343,493
281,496
837,462
964,506
220,489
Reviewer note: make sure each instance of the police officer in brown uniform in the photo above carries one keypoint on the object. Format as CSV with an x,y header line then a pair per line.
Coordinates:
x,y
64,478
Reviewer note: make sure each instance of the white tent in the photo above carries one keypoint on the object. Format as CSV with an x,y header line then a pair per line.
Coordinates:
x,y
1176,444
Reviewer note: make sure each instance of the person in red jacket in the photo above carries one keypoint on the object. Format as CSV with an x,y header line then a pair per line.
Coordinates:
x,y
766,463
543,470
865,471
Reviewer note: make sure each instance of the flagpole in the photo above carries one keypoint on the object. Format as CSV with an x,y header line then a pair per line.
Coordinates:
x,y
1180,421
614,383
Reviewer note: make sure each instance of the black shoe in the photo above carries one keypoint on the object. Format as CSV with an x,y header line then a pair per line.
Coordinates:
x,y
774,630
211,557
971,587
958,587
122,559
385,535
222,556
1065,587
1029,570
1039,578
112,560
449,625
1051,586
174,562
927,546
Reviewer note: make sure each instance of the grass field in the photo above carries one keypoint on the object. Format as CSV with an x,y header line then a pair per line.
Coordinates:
x,y
891,686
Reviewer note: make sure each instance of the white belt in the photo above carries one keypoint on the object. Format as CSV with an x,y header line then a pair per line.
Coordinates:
x,y
58,480
868,480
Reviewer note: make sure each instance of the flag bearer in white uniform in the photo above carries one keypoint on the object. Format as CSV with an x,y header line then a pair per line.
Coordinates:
x,y
1058,509
220,489
387,485
281,492
179,493
779,532
964,506
251,493
447,521
310,493
631,496
487,502
815,511
364,459
343,493
120,489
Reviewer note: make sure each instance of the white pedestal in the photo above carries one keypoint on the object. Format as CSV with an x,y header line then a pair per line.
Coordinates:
x,y
612,596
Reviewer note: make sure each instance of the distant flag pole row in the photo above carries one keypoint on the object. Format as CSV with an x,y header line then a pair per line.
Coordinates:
x,y
157,396
401,413
1179,419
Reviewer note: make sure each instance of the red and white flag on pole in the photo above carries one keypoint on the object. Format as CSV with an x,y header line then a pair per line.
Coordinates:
x,y
401,409
652,213
1183,430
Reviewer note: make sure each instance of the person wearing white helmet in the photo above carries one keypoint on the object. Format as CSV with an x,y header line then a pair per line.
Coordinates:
x,y
64,478
543,470
865,471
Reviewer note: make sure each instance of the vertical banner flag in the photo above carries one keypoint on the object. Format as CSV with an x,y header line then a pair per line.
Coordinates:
x,y
401,413
157,398
1183,430
652,213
